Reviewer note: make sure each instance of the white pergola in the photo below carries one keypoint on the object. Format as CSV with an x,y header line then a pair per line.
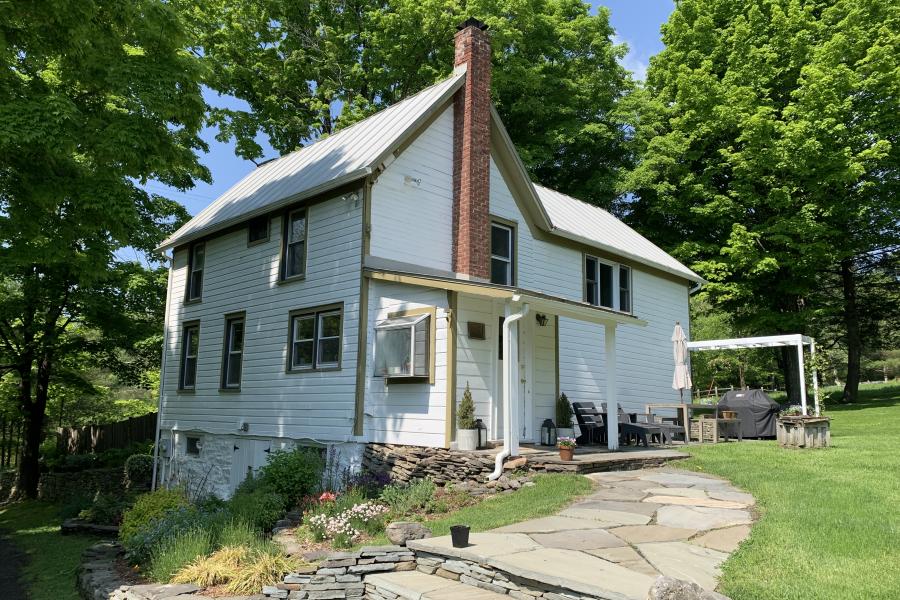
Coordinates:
x,y
772,341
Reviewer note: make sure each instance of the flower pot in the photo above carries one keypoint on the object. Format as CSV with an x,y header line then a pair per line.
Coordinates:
x,y
459,534
466,439
567,453
565,432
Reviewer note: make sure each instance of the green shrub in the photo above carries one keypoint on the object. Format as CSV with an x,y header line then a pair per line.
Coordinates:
x,y
404,499
74,505
148,508
106,509
259,506
138,470
563,412
171,555
293,474
465,418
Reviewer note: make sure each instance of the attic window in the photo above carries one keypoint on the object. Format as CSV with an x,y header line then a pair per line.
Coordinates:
x,y
402,347
258,230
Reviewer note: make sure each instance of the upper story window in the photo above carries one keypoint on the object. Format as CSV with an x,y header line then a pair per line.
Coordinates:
x,y
196,260
607,284
293,258
315,339
233,352
258,230
190,347
502,267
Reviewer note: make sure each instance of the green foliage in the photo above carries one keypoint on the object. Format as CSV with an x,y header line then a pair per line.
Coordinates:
x,y
293,473
465,416
138,470
406,499
259,506
106,509
149,508
175,553
238,532
555,81
563,412
55,461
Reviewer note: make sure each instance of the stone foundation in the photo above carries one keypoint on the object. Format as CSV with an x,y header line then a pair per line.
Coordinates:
x,y
443,466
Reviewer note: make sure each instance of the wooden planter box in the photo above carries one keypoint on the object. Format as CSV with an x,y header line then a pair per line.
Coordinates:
x,y
804,432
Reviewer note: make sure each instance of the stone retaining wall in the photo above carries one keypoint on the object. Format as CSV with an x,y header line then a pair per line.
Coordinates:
x,y
443,466
341,574
60,487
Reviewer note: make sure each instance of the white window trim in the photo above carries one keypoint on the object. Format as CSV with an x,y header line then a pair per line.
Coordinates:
x,y
387,325
510,247
615,267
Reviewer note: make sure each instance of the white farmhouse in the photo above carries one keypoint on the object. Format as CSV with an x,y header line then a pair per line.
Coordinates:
x,y
347,293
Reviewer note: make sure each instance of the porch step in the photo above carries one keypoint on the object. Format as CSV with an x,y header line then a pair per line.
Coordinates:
x,y
414,585
515,561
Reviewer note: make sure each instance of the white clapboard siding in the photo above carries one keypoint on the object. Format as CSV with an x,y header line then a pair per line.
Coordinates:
x,y
412,201
317,406
476,360
406,413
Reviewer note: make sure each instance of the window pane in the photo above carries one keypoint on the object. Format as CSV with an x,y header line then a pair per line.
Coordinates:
x,y
500,241
236,341
304,327
295,258
330,325
258,229
193,341
590,281
190,372
420,361
392,348
297,231
329,350
591,290
302,356
501,272
196,284
625,289
233,370
197,262
606,285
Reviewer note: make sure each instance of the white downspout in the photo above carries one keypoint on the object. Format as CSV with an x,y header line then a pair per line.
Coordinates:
x,y
508,432
162,373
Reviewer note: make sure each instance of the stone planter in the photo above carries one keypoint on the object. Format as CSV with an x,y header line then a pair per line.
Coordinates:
x,y
804,432
467,440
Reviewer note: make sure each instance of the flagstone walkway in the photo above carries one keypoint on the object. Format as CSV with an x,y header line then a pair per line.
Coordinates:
x,y
635,526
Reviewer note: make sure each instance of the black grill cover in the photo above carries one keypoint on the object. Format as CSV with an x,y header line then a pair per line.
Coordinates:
x,y
755,409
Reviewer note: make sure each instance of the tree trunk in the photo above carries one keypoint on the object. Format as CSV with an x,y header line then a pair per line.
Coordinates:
x,y
35,415
851,324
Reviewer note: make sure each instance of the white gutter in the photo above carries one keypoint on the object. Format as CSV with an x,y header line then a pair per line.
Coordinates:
x,y
162,375
508,429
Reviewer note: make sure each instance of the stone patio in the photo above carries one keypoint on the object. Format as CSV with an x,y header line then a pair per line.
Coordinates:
x,y
635,526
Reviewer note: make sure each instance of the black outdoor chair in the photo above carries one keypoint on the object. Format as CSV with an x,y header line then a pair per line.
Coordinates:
x,y
638,431
590,422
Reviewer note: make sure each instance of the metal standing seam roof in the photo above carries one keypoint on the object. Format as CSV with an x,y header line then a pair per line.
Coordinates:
x,y
347,155
594,226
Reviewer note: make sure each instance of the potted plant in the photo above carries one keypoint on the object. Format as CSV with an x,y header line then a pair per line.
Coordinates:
x,y
794,430
466,432
566,447
564,426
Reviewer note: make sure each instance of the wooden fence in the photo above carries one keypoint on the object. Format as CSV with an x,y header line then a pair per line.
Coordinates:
x,y
11,440
97,438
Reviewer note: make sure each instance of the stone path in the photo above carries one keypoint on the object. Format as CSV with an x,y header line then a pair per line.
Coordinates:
x,y
635,526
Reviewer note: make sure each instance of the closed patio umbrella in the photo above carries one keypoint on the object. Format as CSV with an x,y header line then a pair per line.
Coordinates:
x,y
682,378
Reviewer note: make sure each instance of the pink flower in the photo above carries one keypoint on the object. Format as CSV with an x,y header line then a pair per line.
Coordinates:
x,y
327,497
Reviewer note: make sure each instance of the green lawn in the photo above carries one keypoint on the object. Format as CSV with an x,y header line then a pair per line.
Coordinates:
x,y
829,523
52,558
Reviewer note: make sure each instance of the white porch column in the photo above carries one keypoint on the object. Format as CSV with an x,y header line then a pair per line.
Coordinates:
x,y
802,370
815,376
514,405
612,402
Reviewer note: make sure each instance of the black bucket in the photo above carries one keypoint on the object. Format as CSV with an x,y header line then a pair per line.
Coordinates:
x,y
460,536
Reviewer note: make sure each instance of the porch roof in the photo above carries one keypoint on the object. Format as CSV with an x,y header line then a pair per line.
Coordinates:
x,y
539,301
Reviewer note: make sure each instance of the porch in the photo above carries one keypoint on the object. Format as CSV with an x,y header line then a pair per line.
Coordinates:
x,y
590,459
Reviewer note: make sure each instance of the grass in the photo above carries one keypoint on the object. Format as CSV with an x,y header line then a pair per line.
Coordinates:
x,y
52,558
549,494
829,519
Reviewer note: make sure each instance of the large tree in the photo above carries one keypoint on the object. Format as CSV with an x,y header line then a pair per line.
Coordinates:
x,y
95,98
769,134
306,69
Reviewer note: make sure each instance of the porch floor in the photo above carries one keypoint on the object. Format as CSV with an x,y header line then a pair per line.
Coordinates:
x,y
588,459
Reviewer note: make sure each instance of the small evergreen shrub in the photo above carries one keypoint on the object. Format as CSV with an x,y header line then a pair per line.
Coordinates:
x,y
259,506
563,412
465,418
138,470
148,508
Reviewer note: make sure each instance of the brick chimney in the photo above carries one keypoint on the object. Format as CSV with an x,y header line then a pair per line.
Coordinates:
x,y
472,153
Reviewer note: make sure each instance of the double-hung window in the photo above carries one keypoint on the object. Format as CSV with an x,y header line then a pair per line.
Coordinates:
x,y
315,339
624,288
233,352
196,261
293,259
599,283
502,266
190,346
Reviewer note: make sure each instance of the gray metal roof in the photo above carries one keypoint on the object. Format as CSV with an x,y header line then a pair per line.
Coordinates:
x,y
571,218
347,155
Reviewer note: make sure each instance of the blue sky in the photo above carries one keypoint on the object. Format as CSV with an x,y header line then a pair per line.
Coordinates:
x,y
636,22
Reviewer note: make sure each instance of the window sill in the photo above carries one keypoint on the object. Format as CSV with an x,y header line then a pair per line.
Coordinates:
x,y
257,243
229,390
194,301
406,379
317,370
291,279
185,390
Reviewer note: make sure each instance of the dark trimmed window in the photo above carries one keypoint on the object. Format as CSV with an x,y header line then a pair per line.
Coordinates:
x,y
190,347
293,259
258,230
624,288
196,262
315,339
502,267
233,352
607,284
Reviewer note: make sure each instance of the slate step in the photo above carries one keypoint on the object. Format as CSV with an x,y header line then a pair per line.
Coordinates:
x,y
414,585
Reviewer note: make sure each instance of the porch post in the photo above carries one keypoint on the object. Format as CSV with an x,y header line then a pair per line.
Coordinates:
x,y
514,405
612,402
802,369
815,375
